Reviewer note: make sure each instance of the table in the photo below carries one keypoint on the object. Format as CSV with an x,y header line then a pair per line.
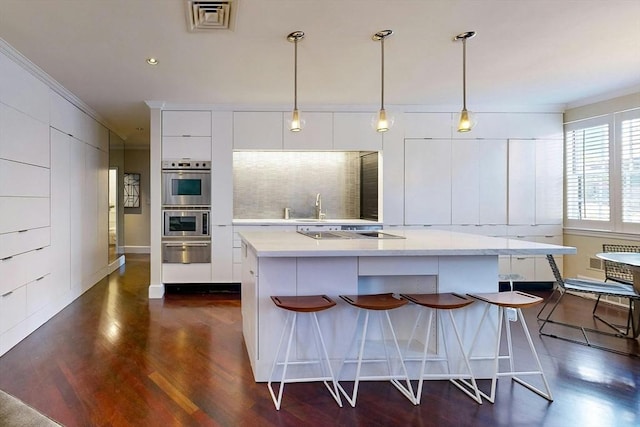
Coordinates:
x,y
632,260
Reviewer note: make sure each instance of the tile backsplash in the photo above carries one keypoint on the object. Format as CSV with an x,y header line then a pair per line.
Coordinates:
x,y
266,182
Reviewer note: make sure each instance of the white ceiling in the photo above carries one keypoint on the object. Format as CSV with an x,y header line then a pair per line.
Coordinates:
x,y
527,53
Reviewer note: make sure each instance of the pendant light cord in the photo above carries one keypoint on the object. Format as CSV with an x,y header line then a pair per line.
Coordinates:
x,y
382,73
464,74
295,74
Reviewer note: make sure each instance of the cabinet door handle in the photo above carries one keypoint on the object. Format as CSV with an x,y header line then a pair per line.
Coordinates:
x,y
39,249
7,294
22,231
520,258
7,258
39,278
186,136
251,272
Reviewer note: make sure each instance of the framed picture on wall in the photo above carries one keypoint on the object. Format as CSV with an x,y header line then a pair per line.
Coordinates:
x,y
131,190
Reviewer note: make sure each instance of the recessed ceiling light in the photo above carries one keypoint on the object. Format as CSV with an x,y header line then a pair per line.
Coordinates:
x,y
152,61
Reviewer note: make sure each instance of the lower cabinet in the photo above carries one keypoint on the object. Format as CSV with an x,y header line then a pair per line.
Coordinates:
x,y
531,268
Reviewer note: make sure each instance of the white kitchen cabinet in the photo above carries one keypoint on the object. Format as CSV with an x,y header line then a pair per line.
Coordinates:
x,y
535,181
249,296
534,125
186,135
33,180
23,91
20,269
78,242
316,135
549,181
65,116
61,210
222,169
23,213
186,147
428,125
23,138
427,181
221,253
533,267
353,132
522,181
13,308
39,293
186,273
237,244
479,181
24,241
186,123
253,130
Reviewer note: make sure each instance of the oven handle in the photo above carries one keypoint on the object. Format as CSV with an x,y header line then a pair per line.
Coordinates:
x,y
179,245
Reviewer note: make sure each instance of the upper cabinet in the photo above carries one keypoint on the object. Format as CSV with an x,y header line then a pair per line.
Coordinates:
x,y
535,181
23,138
186,123
427,195
186,135
428,125
71,120
316,134
322,131
23,91
257,130
353,132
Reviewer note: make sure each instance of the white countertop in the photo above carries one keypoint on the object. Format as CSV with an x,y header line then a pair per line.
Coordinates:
x,y
416,243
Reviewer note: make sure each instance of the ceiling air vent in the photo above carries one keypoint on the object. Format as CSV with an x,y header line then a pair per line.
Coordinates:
x,y
209,15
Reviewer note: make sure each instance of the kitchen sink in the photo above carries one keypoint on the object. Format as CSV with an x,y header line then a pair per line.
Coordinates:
x,y
343,234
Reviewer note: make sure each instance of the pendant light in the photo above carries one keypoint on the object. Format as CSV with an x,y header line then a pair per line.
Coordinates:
x,y
295,124
466,122
382,122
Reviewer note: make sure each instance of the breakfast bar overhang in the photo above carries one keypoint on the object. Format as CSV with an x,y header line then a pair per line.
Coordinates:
x,y
421,261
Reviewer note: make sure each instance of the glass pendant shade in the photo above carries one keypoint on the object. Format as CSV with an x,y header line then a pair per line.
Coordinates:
x,y
382,121
467,121
295,124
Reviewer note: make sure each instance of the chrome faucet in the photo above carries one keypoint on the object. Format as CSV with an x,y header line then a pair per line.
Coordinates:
x,y
319,213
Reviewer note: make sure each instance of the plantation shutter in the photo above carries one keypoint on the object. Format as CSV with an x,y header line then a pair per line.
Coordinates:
x,y
630,170
587,173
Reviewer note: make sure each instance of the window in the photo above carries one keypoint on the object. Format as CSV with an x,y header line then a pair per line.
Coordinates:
x,y
602,173
630,170
587,173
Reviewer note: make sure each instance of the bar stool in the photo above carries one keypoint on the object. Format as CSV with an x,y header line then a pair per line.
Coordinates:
x,y
303,304
512,302
437,303
377,303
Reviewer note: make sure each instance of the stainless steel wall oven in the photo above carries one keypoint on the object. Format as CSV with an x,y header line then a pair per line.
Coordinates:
x,y
186,183
186,223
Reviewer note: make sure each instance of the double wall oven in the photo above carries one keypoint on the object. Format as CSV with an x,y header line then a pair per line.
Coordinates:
x,y
186,202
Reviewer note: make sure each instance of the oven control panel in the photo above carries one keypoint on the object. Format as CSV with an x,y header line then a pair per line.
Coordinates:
x,y
186,164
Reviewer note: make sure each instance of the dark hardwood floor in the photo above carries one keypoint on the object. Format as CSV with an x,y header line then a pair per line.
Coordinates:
x,y
115,358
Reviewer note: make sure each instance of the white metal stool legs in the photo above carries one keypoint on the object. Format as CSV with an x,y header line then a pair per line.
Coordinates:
x,y
405,390
464,381
515,375
290,325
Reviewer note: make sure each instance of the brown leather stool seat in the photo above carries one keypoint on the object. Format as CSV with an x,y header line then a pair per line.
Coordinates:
x,y
304,303
448,302
514,302
377,304
308,305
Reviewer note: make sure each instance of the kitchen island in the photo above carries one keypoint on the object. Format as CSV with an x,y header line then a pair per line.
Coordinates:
x,y
289,263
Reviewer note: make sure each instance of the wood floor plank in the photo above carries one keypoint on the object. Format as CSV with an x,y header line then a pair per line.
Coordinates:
x,y
115,358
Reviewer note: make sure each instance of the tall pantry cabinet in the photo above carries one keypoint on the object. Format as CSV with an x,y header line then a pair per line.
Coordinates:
x,y
53,199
